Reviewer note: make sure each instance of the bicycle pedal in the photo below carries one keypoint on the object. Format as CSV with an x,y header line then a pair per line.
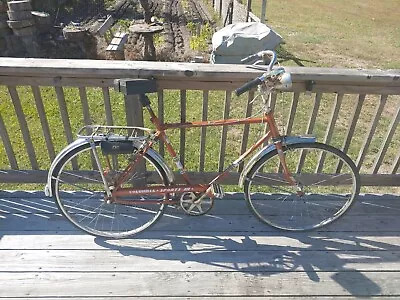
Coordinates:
x,y
217,191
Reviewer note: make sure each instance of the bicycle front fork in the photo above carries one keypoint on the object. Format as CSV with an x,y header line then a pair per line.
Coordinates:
x,y
286,172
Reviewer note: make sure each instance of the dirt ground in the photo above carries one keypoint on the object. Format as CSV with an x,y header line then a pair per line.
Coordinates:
x,y
172,44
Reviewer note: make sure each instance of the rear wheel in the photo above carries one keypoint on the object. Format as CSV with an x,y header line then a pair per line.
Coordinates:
x,y
327,184
80,194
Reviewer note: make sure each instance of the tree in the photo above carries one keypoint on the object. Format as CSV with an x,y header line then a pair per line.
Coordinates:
x,y
147,10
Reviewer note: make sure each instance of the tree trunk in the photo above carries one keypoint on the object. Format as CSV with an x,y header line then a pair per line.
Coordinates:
x,y
147,13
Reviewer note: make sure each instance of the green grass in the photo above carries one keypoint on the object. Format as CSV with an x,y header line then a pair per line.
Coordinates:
x,y
172,114
338,33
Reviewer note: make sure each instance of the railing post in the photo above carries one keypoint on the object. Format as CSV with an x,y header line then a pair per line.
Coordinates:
x,y
248,10
132,88
263,11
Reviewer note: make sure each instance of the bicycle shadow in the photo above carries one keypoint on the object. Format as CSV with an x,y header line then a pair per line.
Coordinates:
x,y
227,242
270,253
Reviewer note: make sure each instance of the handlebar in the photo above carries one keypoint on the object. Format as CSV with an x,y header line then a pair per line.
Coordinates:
x,y
250,58
275,78
263,56
248,86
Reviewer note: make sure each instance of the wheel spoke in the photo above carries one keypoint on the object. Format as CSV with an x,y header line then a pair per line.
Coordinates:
x,y
82,177
327,180
93,213
76,186
268,178
317,200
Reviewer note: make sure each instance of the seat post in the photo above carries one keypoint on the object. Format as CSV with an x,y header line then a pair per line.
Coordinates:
x,y
144,100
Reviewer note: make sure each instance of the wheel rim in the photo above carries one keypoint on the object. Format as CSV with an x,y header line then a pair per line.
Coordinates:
x,y
327,188
81,196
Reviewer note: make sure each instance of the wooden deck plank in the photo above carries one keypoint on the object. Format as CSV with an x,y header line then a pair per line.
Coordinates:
x,y
228,195
203,241
203,297
231,204
236,207
226,223
41,214
26,208
192,284
261,260
228,254
206,297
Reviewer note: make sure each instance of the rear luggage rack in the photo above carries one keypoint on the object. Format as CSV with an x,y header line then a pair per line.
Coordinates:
x,y
114,132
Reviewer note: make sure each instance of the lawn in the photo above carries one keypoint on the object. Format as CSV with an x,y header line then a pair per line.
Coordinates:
x,y
338,33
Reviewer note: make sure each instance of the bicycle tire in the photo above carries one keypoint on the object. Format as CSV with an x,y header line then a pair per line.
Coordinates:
x,y
328,178
81,197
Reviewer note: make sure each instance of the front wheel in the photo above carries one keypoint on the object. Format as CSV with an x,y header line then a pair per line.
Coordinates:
x,y
79,192
327,183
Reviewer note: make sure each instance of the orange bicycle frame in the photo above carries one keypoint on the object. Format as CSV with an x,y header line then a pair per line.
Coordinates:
x,y
268,118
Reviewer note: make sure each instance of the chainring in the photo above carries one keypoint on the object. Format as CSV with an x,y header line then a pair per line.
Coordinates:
x,y
194,206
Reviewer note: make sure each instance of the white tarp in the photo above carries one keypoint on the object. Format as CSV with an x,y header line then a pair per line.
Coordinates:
x,y
236,41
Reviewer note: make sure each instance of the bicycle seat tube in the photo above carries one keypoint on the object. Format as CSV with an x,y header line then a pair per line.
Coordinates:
x,y
161,135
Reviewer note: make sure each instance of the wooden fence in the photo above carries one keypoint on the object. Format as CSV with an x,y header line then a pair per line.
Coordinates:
x,y
355,110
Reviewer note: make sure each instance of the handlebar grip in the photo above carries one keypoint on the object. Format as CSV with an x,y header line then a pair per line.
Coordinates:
x,y
248,86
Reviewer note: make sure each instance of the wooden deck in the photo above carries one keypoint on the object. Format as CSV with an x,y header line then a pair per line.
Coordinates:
x,y
228,254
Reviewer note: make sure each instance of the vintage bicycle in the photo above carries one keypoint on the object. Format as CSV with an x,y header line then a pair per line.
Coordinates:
x,y
292,183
